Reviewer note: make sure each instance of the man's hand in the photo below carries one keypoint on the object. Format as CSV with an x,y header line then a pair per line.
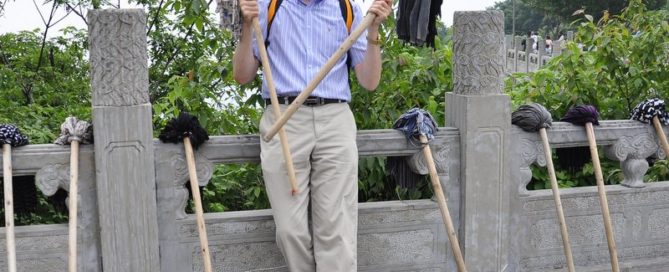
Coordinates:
x,y
382,8
249,10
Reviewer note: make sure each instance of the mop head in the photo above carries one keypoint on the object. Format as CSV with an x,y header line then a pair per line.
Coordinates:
x,y
574,158
582,114
646,110
75,130
10,134
183,126
532,117
414,123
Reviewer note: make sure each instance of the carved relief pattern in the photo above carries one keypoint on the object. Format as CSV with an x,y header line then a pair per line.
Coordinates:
x,y
628,147
632,152
204,169
478,66
440,153
119,68
531,152
51,177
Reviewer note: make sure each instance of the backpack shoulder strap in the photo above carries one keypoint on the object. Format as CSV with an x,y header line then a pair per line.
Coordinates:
x,y
346,13
271,12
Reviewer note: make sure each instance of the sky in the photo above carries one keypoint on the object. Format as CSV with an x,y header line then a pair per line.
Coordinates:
x,y
22,14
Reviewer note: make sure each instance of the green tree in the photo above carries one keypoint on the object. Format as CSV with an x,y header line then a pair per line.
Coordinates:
x,y
527,18
566,8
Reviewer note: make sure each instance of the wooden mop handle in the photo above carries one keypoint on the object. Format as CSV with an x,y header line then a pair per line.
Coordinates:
x,y
73,201
9,206
443,207
558,202
267,71
199,213
343,48
602,197
661,135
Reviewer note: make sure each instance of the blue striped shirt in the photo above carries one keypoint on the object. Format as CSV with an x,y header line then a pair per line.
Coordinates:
x,y
303,37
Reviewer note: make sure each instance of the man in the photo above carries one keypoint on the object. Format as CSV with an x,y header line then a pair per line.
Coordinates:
x,y
321,134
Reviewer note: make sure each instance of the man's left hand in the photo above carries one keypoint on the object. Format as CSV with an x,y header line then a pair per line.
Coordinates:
x,y
382,9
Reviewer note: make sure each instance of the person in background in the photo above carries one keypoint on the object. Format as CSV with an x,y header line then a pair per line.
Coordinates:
x,y
535,41
316,229
549,45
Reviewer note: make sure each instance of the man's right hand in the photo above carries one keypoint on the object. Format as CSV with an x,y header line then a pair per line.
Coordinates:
x,y
249,10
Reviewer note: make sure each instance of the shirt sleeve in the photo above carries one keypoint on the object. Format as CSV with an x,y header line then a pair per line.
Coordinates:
x,y
357,51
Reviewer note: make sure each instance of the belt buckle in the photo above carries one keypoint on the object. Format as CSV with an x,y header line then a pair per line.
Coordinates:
x,y
312,101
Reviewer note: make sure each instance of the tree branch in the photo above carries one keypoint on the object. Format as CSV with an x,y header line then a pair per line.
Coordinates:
x,y
78,13
155,18
39,12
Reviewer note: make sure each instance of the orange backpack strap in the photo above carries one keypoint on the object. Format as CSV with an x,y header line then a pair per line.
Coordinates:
x,y
346,13
271,12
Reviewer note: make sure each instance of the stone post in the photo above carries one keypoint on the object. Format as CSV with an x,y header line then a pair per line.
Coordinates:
x,y
123,141
541,52
482,113
519,47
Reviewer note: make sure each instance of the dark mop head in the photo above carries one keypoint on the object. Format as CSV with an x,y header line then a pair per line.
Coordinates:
x,y
25,190
414,123
185,125
646,110
10,134
75,130
532,117
582,114
573,158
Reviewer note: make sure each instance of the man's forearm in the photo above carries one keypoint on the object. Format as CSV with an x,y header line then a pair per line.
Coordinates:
x,y
369,70
244,65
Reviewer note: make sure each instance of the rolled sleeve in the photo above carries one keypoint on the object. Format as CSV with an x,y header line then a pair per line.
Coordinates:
x,y
357,51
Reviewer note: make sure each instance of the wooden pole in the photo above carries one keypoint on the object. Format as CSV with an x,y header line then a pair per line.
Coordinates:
x,y
287,157
9,206
73,201
199,213
558,202
443,207
602,197
661,135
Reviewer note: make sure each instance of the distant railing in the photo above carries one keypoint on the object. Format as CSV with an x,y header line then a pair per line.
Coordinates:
x,y
522,57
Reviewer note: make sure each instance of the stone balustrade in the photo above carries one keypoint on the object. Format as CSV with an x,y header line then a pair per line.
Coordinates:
x,y
132,214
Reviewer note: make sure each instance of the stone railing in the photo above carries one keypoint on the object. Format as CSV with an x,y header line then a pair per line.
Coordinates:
x,y
132,198
639,215
519,59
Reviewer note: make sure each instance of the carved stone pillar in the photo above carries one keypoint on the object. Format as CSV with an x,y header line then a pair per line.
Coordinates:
x,y
632,152
482,113
126,185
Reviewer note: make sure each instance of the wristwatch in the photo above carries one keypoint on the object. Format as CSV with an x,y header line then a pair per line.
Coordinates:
x,y
376,41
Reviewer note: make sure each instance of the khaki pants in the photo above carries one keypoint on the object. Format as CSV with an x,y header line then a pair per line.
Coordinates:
x,y
322,141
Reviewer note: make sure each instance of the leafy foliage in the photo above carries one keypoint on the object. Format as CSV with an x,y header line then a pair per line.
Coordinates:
x,y
566,8
612,64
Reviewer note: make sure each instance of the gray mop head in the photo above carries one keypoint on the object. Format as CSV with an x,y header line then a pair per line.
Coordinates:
x,y
75,130
532,117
